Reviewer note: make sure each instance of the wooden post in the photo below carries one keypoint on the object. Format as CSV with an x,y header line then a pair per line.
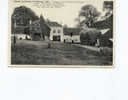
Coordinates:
x,y
14,40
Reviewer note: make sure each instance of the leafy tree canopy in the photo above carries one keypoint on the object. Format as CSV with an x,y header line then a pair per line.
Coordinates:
x,y
25,13
90,13
44,27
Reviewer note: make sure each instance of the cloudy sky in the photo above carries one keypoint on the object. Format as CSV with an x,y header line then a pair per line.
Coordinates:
x,y
66,12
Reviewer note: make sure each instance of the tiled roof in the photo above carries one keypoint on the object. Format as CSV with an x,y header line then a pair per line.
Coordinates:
x,y
103,31
74,31
103,24
54,24
36,21
108,34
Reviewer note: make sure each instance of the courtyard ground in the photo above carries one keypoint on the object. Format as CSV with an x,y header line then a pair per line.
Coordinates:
x,y
28,52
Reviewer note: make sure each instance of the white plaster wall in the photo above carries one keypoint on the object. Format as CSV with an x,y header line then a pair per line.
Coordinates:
x,y
75,38
23,36
56,34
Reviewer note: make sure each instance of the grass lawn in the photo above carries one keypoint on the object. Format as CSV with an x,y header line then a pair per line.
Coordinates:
x,y
38,53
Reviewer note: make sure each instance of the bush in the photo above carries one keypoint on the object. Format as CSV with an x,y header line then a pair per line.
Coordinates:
x,y
106,42
89,36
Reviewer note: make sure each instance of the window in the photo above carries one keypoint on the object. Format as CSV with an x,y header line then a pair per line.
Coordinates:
x,y
59,31
54,31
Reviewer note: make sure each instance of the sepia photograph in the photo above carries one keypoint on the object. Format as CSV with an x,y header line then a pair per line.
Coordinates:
x,y
63,50
61,33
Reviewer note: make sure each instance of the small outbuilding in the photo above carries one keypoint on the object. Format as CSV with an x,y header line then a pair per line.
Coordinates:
x,y
72,35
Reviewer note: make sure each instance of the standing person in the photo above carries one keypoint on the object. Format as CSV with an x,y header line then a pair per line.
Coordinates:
x,y
98,43
100,48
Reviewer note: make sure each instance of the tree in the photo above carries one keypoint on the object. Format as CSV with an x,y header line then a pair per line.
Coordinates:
x,y
44,28
89,36
90,13
78,22
81,23
22,15
65,26
47,20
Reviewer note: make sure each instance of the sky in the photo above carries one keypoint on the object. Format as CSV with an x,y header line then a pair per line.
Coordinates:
x,y
66,13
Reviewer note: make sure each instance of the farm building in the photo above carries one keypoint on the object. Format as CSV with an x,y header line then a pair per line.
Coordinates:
x,y
72,35
106,28
21,36
35,30
56,33
105,24
39,30
24,21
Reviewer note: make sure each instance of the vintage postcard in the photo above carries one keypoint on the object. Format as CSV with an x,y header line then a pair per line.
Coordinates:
x,y
61,33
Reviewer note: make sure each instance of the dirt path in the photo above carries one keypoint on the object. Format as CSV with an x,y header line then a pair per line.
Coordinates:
x,y
89,47
94,48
